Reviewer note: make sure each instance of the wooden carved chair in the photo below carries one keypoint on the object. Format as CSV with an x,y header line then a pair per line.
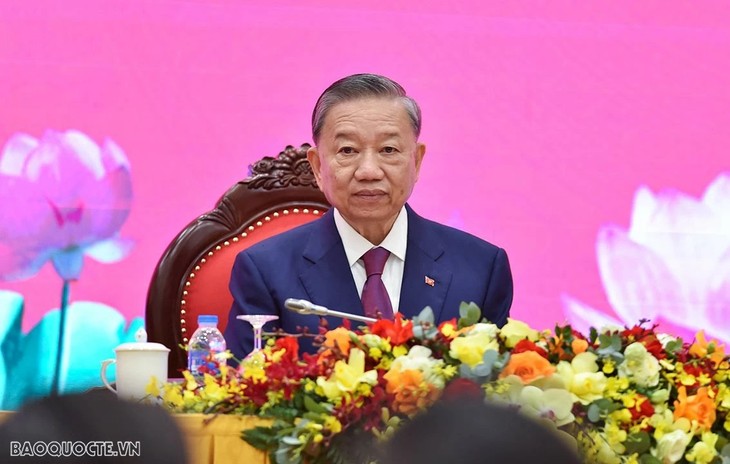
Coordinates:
x,y
192,276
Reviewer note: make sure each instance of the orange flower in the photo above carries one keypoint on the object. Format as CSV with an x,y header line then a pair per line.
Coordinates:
x,y
528,366
701,347
397,331
579,345
699,407
339,337
411,393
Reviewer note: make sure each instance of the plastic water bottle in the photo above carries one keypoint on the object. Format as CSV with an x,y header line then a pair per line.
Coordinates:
x,y
205,347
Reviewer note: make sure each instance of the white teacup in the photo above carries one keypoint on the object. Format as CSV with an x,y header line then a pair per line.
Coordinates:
x,y
137,363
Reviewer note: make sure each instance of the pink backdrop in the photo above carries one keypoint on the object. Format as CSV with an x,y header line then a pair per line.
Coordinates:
x,y
541,118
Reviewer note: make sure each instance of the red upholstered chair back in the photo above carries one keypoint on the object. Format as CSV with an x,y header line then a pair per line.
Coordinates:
x,y
192,276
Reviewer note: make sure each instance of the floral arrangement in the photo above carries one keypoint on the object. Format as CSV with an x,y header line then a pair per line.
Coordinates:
x,y
622,395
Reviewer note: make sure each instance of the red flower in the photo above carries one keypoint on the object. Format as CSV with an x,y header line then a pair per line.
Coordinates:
x,y
291,345
397,331
642,408
462,389
527,345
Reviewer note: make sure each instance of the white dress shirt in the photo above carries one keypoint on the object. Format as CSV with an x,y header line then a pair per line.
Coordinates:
x,y
396,242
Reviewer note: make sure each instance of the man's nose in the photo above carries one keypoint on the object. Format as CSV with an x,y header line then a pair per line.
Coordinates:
x,y
369,167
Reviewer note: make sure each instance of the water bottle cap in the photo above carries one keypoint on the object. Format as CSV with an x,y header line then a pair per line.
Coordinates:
x,y
207,319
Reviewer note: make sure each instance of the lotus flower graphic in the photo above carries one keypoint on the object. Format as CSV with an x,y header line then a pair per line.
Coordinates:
x,y
61,197
672,264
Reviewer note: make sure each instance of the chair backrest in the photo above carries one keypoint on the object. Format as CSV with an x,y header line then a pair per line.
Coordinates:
x,y
192,276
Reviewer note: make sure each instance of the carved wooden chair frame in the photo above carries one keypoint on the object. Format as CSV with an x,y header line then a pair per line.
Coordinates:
x,y
276,186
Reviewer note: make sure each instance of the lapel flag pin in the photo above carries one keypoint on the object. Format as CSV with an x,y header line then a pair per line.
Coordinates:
x,y
429,281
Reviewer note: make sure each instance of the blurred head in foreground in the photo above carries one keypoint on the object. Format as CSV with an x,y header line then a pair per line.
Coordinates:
x,y
91,427
471,432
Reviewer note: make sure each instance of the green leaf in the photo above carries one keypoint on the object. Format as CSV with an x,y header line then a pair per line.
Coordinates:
x,y
609,345
469,314
648,459
262,438
313,406
593,335
674,346
638,443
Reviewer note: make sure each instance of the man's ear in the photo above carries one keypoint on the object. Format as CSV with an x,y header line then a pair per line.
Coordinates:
x,y
419,154
313,158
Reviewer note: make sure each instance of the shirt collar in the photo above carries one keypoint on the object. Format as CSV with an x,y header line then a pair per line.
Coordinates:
x,y
356,245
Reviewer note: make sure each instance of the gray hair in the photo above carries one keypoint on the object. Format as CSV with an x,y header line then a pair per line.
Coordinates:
x,y
360,86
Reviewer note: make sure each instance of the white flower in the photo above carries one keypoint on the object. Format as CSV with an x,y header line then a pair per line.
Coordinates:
x,y
671,446
419,359
672,263
639,366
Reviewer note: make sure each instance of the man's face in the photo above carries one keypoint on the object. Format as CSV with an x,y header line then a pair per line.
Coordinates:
x,y
367,161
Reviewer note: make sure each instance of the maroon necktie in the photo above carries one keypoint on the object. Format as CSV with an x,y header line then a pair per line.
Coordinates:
x,y
375,299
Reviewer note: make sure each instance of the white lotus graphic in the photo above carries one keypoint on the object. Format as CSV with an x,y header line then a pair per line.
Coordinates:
x,y
673,264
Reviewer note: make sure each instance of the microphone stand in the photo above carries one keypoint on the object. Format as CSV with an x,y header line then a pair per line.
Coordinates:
x,y
307,307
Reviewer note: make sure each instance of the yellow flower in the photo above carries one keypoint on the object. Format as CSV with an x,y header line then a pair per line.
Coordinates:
x,y
609,366
375,353
448,329
190,382
703,452
582,378
471,347
400,350
514,331
153,388
332,424
347,377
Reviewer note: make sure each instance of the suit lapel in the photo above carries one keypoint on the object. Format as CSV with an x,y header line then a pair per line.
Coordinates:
x,y
328,280
422,268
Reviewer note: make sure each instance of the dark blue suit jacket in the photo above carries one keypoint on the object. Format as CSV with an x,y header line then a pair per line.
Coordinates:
x,y
309,262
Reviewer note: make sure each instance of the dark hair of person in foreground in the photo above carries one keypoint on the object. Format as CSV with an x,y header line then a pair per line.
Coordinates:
x,y
467,431
94,416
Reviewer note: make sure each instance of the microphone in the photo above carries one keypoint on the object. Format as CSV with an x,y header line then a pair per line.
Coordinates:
x,y
307,307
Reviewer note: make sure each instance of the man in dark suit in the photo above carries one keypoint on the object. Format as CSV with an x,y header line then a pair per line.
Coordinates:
x,y
371,254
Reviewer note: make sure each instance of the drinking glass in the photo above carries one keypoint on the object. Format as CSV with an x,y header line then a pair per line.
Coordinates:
x,y
257,321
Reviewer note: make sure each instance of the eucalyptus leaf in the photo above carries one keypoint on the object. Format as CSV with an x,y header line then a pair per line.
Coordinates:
x,y
426,315
283,456
469,314
289,440
594,413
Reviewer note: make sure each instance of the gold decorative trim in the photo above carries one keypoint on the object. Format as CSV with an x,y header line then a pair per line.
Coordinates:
x,y
225,243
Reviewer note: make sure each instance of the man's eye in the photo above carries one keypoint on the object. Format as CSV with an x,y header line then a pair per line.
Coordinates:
x,y
346,150
389,150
